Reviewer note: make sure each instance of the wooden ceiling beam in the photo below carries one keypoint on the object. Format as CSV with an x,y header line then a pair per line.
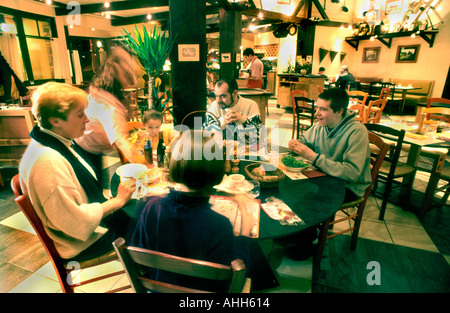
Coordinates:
x,y
113,6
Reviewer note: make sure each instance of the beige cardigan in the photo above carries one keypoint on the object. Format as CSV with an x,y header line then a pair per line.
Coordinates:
x,y
59,200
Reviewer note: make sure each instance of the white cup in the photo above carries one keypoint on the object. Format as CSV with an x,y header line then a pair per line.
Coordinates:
x,y
236,180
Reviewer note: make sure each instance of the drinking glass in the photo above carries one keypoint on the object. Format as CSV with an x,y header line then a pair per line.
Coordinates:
x,y
430,130
255,189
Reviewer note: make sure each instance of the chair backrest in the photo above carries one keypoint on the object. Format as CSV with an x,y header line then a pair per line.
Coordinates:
x,y
430,101
303,110
439,102
136,259
384,93
354,85
297,93
375,110
361,111
358,96
393,135
24,203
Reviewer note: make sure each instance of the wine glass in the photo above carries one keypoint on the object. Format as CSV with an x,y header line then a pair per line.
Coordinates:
x,y
254,189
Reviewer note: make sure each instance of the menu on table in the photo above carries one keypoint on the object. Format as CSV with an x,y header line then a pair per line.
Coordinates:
x,y
229,208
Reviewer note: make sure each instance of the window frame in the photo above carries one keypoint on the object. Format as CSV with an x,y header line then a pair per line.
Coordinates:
x,y
18,17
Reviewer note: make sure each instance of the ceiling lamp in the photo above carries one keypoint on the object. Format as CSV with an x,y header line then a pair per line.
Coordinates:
x,y
149,16
106,4
48,1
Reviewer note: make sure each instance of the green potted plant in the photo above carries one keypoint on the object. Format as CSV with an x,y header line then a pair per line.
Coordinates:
x,y
152,51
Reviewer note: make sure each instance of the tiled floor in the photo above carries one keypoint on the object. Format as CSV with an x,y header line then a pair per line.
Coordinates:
x,y
413,255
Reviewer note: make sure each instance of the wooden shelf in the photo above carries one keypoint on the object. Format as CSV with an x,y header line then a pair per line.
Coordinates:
x,y
386,39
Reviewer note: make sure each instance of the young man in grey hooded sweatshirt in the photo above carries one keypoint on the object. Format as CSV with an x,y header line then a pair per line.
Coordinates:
x,y
337,144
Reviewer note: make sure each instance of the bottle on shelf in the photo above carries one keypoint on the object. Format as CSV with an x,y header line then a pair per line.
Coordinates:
x,y
148,150
160,151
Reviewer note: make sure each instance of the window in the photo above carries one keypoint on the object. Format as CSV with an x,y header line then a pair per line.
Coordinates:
x,y
33,45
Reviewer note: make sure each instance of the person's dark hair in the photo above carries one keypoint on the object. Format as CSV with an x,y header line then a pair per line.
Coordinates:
x,y
151,115
248,51
321,69
338,99
194,163
231,82
106,79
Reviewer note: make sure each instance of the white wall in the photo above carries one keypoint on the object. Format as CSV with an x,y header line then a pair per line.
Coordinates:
x,y
432,64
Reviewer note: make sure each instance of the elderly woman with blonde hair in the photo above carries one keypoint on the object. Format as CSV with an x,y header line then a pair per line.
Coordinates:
x,y
61,185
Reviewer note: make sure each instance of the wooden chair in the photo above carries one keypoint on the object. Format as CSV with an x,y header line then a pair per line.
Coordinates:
x,y
379,150
375,110
136,260
384,93
392,169
303,111
432,160
360,112
62,267
439,101
358,96
295,93
354,86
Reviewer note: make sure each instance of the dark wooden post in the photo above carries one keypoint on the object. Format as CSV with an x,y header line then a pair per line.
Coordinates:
x,y
230,34
188,20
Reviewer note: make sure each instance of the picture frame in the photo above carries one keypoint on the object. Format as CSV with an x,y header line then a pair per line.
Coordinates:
x,y
226,57
393,6
407,54
189,53
371,55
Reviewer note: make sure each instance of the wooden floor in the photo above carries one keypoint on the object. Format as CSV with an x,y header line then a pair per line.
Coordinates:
x,y
413,255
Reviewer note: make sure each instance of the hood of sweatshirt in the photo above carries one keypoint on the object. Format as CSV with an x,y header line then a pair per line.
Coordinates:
x,y
346,121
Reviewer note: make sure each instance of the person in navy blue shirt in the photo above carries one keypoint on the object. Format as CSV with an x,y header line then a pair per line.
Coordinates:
x,y
183,222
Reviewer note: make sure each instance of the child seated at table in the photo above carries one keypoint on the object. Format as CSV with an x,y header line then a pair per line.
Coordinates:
x,y
152,121
183,222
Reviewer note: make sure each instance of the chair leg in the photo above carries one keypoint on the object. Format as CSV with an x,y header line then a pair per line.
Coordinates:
x,y
387,192
322,240
357,226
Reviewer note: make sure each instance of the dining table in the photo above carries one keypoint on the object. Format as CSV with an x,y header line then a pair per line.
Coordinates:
x,y
313,200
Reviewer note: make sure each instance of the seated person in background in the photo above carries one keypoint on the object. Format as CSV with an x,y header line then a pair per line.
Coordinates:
x,y
344,78
183,223
341,144
61,185
107,111
235,113
322,72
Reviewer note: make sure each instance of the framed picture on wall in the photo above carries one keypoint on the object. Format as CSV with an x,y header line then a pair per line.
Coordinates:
x,y
188,53
407,54
226,57
393,6
371,55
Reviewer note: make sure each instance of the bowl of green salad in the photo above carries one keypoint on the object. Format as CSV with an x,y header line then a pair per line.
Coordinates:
x,y
294,165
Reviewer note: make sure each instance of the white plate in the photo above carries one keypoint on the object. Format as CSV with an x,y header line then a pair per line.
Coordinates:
x,y
127,171
226,187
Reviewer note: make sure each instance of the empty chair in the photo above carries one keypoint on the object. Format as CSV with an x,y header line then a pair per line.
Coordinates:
x,y
375,110
378,152
432,160
360,111
138,261
303,110
358,97
62,267
392,169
